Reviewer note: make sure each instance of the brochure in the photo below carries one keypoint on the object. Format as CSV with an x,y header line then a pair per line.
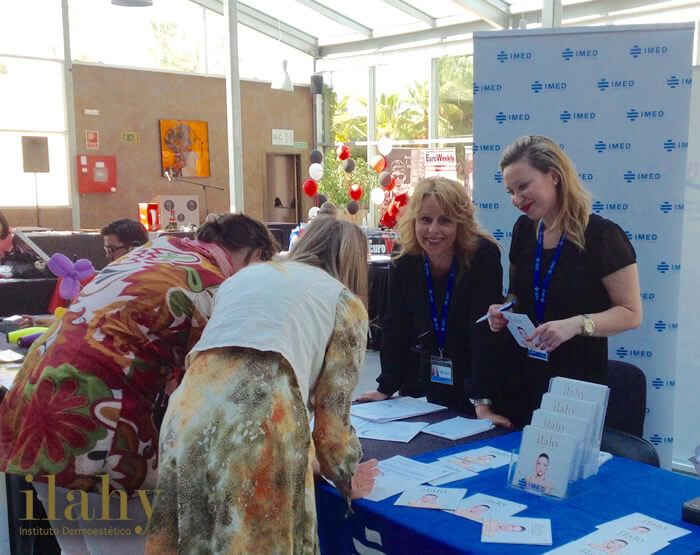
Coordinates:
x,y
426,497
545,462
395,408
458,427
397,474
648,526
531,531
386,431
490,457
603,541
480,507
586,391
454,473
576,427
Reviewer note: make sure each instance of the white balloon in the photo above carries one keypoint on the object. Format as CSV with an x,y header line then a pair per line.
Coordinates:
x,y
376,195
385,145
316,171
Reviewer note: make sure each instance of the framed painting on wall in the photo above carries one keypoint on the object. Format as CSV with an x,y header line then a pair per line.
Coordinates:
x,y
184,148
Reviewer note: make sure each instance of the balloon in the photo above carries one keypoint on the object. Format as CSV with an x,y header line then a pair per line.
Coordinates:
x,y
315,156
322,198
376,195
378,163
71,273
349,165
353,207
385,145
310,187
315,171
355,192
392,183
343,152
384,179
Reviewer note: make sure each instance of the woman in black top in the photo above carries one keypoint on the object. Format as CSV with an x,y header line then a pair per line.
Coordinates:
x,y
443,250
587,284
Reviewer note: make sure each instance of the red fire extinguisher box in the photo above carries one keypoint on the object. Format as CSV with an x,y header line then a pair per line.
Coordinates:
x,y
97,174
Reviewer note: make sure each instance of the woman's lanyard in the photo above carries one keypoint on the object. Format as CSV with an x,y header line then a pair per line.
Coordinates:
x,y
541,289
440,327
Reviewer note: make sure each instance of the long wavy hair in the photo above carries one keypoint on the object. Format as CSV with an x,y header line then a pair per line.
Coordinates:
x,y
340,248
455,202
543,154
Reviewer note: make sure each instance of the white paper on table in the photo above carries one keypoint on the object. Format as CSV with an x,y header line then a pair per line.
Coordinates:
x,y
395,408
657,528
398,474
454,473
609,541
517,530
426,497
480,507
458,427
8,355
603,457
386,431
483,457
8,374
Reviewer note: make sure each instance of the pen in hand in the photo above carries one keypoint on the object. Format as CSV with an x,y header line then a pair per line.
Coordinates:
x,y
502,309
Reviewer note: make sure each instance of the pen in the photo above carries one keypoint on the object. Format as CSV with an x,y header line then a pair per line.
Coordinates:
x,y
502,309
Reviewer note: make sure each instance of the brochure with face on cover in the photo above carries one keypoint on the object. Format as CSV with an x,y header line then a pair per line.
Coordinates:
x,y
480,507
645,525
531,531
545,462
586,391
624,542
480,458
426,497
453,473
570,425
521,328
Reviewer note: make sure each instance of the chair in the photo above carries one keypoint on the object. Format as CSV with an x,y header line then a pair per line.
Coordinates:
x,y
628,398
629,446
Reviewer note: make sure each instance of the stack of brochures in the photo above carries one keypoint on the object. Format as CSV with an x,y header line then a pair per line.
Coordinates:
x,y
635,533
458,427
395,408
562,442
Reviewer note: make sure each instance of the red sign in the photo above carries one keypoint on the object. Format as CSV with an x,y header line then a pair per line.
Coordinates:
x,y
92,140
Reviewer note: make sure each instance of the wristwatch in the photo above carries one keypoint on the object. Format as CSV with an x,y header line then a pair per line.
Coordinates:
x,y
588,325
477,402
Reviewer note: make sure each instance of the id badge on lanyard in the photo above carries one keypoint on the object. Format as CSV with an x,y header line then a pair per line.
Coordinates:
x,y
441,370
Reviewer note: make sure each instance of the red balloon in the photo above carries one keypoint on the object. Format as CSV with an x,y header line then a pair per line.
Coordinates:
x,y
355,192
310,187
343,152
378,163
392,184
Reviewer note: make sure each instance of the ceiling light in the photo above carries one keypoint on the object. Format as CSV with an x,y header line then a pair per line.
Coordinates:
x,y
133,3
282,82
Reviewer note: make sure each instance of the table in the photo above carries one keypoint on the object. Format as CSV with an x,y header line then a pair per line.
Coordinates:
x,y
621,487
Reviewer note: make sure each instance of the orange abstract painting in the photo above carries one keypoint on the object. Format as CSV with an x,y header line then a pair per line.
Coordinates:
x,y
184,147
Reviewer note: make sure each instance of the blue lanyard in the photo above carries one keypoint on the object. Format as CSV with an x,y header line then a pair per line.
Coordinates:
x,y
440,327
541,289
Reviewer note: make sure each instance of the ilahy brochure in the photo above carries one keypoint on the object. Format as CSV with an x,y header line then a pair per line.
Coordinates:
x,y
521,328
480,507
570,425
425,497
532,531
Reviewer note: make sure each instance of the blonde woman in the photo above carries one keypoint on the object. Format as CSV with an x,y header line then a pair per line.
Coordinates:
x,y
447,274
587,286
286,341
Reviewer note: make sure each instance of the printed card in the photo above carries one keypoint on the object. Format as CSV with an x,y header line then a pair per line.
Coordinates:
x,y
426,497
586,391
570,425
531,531
453,473
603,541
647,526
480,507
521,328
482,457
545,462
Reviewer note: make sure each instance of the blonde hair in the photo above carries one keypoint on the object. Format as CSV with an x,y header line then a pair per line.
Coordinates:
x,y
455,202
340,248
543,154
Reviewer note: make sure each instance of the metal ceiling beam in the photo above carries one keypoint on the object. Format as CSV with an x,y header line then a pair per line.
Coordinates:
x,y
412,11
336,16
269,26
440,33
496,12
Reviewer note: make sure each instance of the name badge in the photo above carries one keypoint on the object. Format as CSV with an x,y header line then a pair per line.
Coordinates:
x,y
539,355
441,370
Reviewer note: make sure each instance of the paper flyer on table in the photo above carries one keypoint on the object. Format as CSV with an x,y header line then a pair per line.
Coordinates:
x,y
395,408
480,507
646,524
480,458
8,355
623,542
458,428
519,530
453,473
426,497
398,474
386,431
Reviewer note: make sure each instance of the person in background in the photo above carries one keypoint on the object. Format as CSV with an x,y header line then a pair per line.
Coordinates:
x,y
5,237
237,449
119,237
328,209
447,274
81,408
587,286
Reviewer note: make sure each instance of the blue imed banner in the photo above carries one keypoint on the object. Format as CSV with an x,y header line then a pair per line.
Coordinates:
x,y
616,99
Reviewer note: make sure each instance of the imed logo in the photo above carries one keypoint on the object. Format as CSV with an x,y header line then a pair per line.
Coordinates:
x,y
498,234
635,51
498,177
666,207
567,54
502,56
600,146
670,145
604,84
536,87
597,207
674,82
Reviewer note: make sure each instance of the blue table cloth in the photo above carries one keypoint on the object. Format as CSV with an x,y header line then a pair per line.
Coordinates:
x,y
621,487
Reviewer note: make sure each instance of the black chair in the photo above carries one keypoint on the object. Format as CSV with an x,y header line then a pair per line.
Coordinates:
x,y
628,446
627,404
